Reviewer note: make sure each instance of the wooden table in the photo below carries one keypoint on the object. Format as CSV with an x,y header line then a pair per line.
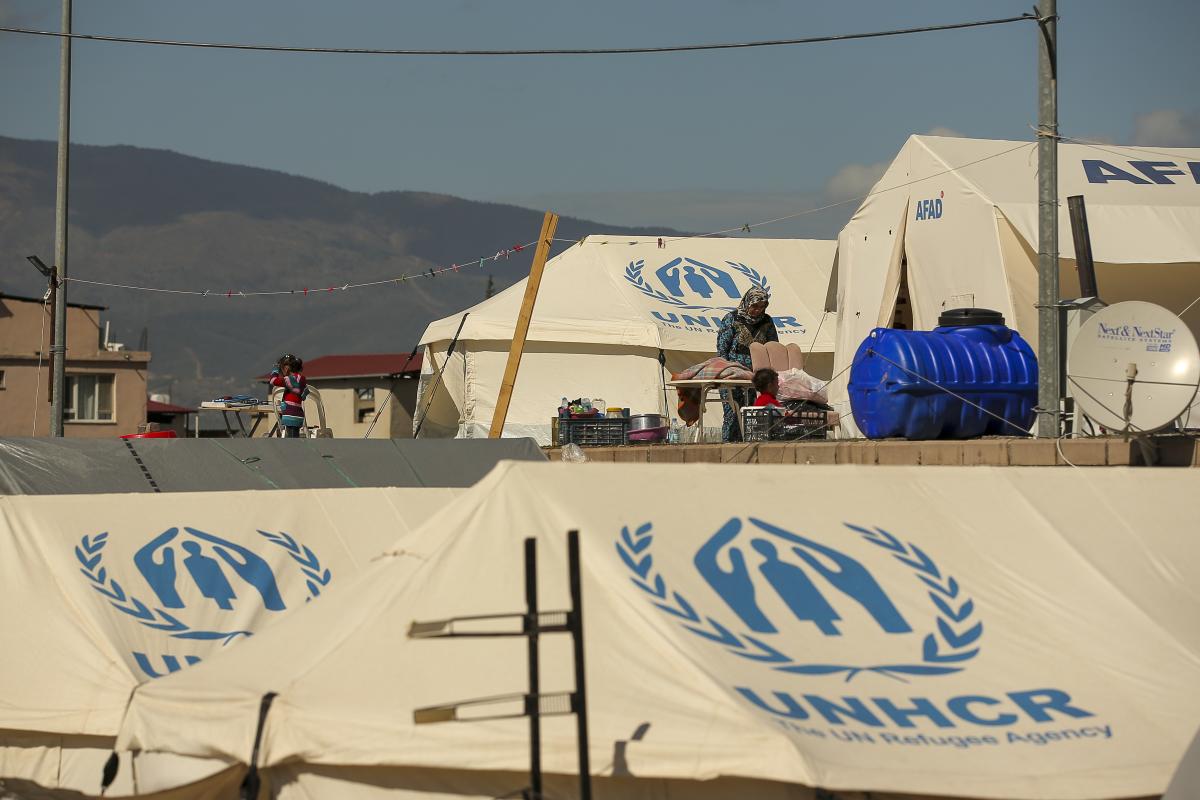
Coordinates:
x,y
705,385
261,412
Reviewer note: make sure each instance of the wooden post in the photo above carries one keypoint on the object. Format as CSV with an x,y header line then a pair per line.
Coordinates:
x,y
549,226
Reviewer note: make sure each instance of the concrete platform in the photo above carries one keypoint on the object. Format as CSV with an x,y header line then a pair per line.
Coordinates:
x,y
1173,451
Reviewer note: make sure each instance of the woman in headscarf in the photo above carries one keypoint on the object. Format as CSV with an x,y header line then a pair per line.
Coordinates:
x,y
749,322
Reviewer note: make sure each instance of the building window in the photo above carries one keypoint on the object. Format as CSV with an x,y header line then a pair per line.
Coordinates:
x,y
89,398
364,404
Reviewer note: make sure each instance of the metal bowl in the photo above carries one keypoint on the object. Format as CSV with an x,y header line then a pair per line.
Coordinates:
x,y
645,422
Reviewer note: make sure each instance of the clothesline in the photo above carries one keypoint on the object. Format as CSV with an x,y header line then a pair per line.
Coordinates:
x,y
433,272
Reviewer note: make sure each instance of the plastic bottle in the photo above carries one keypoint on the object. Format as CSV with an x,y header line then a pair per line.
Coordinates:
x,y
673,434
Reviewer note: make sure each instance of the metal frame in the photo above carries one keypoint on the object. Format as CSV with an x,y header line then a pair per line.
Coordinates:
x,y
534,704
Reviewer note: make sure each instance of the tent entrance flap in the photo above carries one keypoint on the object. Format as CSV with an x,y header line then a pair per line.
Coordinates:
x,y
897,264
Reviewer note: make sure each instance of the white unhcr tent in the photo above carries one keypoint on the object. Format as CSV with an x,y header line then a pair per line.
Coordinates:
x,y
953,223
103,593
971,632
606,307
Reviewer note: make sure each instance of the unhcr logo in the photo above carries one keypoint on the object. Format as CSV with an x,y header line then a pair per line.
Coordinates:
x,y
192,574
753,568
746,560
689,285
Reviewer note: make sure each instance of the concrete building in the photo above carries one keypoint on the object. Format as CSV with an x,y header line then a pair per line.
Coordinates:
x,y
106,384
354,388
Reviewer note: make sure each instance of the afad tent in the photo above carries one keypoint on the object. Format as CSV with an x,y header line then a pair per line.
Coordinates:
x,y
953,223
102,593
606,308
996,633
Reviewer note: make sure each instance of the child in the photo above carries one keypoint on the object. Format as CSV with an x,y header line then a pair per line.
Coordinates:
x,y
766,383
287,374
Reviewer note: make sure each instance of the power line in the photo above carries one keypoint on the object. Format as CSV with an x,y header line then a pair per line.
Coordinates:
x,y
572,51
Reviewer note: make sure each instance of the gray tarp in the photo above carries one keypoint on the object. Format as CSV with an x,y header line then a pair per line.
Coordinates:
x,y
96,466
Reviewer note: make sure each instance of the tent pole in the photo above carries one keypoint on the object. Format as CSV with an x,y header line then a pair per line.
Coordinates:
x,y
1049,385
533,704
579,701
549,226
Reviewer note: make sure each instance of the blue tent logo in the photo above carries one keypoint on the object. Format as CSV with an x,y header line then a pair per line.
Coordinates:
x,y
691,285
227,575
156,560
746,560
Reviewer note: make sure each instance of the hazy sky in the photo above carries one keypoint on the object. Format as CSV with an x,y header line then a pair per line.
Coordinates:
x,y
696,141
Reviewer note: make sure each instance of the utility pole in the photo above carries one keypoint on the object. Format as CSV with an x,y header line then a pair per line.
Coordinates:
x,y
1049,389
58,347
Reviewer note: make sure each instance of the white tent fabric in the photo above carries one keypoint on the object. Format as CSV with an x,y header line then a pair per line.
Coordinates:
x,y
102,593
997,633
605,308
956,220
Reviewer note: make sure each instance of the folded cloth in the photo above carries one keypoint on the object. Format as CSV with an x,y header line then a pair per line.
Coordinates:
x,y
796,384
712,369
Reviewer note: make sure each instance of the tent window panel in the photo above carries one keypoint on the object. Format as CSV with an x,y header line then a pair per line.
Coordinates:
x,y
89,398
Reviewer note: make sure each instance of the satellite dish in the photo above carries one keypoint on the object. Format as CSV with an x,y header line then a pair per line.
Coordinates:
x,y
1134,363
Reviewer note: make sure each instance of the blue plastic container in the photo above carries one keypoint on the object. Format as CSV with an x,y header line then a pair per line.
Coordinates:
x,y
893,377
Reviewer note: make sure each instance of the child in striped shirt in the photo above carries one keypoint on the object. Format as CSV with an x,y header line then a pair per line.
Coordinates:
x,y
287,375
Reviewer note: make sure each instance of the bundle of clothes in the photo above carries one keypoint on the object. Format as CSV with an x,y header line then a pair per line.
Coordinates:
x,y
795,386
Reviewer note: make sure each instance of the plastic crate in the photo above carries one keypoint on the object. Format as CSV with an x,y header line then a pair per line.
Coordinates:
x,y
768,423
596,432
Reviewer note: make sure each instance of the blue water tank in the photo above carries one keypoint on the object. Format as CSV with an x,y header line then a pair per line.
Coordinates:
x,y
896,375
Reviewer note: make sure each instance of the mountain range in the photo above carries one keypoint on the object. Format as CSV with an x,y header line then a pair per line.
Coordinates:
x,y
159,219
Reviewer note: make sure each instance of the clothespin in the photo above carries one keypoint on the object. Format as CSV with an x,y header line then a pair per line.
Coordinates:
x,y
518,248
229,293
205,293
746,228
432,274
344,288
454,267
481,263
306,291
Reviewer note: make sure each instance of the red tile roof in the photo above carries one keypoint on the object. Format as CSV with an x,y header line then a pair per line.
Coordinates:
x,y
362,365
155,407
